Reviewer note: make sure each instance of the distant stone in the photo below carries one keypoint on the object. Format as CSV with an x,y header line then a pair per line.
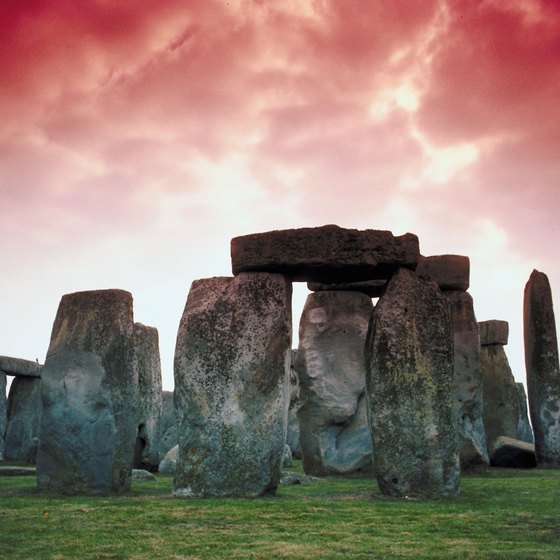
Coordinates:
x,y
328,254
501,400
524,430
146,452
169,462
3,414
293,435
168,428
449,272
23,419
144,475
17,471
493,332
543,371
89,389
334,434
287,459
467,381
371,288
409,356
232,363
298,479
513,453
19,367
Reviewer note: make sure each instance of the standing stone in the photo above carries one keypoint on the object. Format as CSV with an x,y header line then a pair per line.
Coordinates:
x,y
467,381
499,392
146,453
3,414
89,392
24,417
409,357
293,435
543,372
168,429
334,435
232,365
524,430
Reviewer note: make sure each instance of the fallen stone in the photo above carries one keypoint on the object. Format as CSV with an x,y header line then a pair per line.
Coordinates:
x,y
89,389
334,430
296,479
543,371
168,428
3,414
524,430
467,381
409,357
146,452
142,474
17,471
449,272
169,462
328,254
232,367
371,288
19,367
513,453
493,332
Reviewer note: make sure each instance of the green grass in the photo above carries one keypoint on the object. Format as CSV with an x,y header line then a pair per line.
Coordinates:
x,y
509,514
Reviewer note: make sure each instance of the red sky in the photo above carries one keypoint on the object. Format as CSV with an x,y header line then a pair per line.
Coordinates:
x,y
136,141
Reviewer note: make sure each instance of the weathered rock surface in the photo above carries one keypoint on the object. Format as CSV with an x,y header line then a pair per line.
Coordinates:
x,y
371,288
142,474
513,453
334,429
89,394
449,272
3,414
467,381
19,367
493,332
409,356
169,462
293,435
146,452
500,397
543,372
328,254
168,428
524,430
23,419
232,366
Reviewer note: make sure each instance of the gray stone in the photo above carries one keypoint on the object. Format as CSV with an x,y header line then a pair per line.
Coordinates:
x,y
169,462
493,332
328,254
143,475
409,356
232,366
524,430
334,430
298,479
513,453
500,397
89,393
3,414
371,288
19,367
543,372
146,452
168,428
23,419
293,435
449,272
287,459
467,381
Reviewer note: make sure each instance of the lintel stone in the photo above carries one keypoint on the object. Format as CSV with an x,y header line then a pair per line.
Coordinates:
x,y
493,332
19,367
449,272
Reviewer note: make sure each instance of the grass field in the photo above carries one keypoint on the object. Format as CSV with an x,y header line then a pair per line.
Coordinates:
x,y
506,514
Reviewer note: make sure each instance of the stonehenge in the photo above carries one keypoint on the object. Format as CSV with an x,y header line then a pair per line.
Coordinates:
x,y
3,414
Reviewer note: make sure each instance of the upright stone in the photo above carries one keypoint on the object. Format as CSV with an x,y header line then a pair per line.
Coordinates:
x,y
467,381
524,430
293,435
146,452
168,429
232,365
3,414
327,254
23,419
543,372
89,393
409,356
334,435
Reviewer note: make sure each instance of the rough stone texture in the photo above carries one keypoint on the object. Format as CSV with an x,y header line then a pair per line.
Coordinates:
x,y
493,332
409,356
467,381
23,418
169,462
513,453
500,397
327,254
232,367
524,430
89,392
169,431
334,434
3,414
543,372
449,272
371,288
146,452
293,435
142,474
19,367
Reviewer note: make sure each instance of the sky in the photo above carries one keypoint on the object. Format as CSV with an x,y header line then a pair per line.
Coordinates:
x,y
136,139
